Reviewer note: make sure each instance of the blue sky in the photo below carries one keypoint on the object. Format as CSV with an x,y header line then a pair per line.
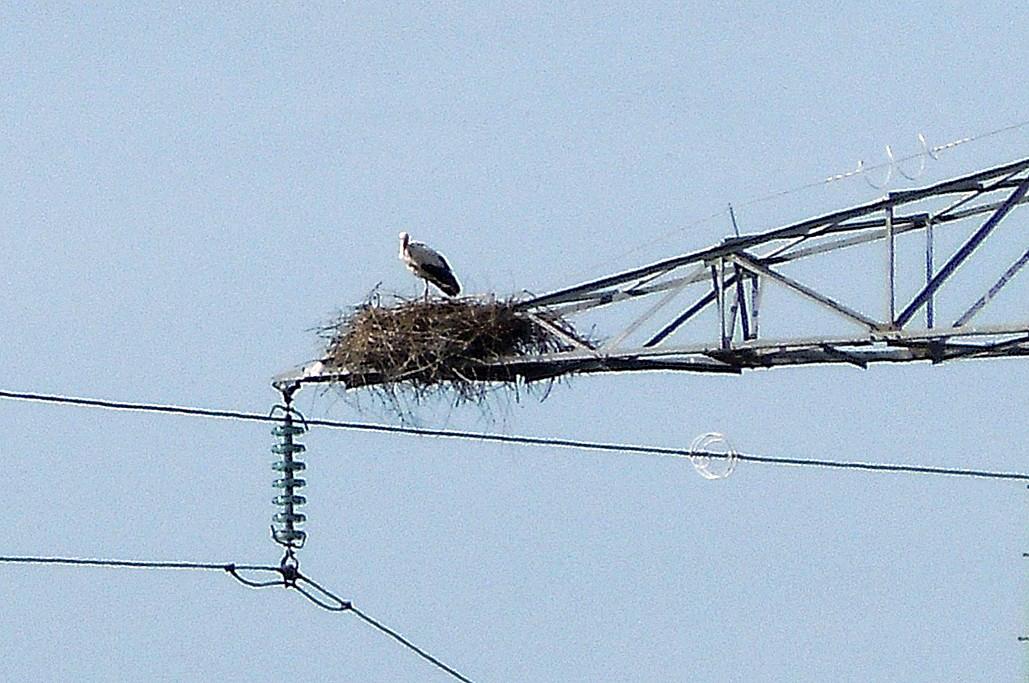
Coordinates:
x,y
188,191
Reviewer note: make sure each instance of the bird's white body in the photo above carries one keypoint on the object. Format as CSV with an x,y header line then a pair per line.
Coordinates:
x,y
429,265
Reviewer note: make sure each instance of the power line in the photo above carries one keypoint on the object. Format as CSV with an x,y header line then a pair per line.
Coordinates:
x,y
930,152
835,178
406,643
290,577
137,564
523,440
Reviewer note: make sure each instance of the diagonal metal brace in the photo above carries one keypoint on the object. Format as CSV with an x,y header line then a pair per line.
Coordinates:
x,y
831,304
963,253
993,291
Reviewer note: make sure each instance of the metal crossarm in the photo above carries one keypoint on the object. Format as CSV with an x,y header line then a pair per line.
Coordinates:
x,y
659,316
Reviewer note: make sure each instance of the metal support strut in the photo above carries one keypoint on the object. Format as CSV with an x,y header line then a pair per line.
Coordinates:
x,y
285,523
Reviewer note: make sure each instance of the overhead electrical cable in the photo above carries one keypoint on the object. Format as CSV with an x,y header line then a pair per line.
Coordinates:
x,y
861,170
634,449
288,579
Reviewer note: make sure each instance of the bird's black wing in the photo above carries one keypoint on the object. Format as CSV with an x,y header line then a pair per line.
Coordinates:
x,y
442,277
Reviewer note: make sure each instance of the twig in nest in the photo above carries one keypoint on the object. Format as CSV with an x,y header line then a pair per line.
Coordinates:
x,y
418,349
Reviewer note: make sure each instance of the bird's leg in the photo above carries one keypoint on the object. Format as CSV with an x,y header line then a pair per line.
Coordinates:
x,y
426,293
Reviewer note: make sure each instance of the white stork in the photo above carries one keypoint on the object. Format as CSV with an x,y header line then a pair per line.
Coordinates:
x,y
429,265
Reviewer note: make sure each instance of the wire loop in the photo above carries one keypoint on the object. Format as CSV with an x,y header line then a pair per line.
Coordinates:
x,y
320,596
234,573
289,576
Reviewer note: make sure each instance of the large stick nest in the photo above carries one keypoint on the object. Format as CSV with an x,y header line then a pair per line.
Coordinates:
x,y
417,349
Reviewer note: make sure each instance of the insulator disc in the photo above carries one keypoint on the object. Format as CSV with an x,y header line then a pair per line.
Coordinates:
x,y
283,466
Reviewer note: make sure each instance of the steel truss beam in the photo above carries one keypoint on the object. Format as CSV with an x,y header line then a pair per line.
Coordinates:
x,y
730,277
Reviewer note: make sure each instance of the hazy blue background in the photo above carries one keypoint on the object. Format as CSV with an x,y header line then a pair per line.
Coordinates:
x,y
186,192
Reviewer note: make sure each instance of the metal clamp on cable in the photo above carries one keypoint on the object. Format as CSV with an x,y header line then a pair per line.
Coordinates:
x,y
290,569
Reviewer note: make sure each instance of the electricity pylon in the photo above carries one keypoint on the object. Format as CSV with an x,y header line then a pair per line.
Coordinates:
x,y
709,310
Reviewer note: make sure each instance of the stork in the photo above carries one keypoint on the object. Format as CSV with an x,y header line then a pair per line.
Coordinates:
x,y
429,265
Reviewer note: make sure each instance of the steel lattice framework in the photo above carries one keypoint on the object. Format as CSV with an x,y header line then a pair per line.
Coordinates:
x,y
729,280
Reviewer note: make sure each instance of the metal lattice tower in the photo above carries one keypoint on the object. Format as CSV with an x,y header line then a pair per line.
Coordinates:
x,y
717,296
